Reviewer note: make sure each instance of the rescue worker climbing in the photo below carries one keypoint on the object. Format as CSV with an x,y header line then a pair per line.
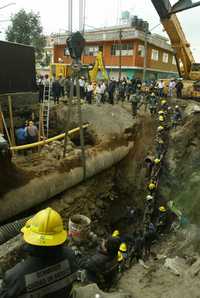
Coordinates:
x,y
148,211
152,103
164,105
156,168
50,269
152,187
135,101
160,147
122,256
176,117
163,220
150,236
116,234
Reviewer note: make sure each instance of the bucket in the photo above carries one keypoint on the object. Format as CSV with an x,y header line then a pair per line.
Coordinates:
x,y
79,227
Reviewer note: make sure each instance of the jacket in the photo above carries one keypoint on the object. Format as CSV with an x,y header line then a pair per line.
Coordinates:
x,y
99,266
47,272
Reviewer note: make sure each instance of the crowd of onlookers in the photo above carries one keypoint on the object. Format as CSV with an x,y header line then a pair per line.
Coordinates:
x,y
105,91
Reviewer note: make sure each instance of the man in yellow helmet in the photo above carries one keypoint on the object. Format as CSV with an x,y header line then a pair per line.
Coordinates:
x,y
164,221
50,269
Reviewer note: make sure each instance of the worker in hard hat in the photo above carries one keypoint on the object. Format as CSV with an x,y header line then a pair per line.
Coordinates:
x,y
153,102
160,147
160,128
164,105
116,234
149,204
148,210
152,186
156,168
102,267
123,249
149,163
150,236
176,117
163,220
51,267
135,99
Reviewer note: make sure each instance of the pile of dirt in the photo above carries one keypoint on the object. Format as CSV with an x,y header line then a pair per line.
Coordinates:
x,y
174,272
116,129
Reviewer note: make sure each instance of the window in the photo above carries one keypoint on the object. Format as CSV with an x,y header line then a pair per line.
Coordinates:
x,y
165,57
154,55
141,50
173,60
66,52
126,48
91,50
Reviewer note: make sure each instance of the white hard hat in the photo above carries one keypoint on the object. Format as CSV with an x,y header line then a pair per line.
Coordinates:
x,y
149,198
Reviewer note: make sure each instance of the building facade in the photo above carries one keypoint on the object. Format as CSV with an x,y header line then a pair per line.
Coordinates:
x,y
160,60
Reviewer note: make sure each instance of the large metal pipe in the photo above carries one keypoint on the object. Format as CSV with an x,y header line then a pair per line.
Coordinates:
x,y
45,187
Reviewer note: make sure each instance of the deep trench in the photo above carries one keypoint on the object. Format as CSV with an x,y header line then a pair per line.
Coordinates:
x,y
112,207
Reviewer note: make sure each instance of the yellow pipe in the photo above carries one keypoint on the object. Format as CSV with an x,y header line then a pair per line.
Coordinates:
x,y
42,143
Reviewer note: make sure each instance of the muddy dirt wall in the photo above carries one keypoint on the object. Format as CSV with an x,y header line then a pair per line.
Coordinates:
x,y
181,176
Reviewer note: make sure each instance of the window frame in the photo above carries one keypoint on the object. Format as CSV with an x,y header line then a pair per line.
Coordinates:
x,y
153,51
165,54
141,50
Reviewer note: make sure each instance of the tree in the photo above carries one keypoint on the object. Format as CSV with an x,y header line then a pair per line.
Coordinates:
x,y
26,28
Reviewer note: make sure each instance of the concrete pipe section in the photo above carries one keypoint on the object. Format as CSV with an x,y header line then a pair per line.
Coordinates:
x,y
43,188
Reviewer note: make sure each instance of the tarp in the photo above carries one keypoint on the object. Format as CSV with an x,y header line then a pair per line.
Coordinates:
x,y
17,68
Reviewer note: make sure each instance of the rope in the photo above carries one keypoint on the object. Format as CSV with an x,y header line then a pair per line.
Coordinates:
x,y
81,128
68,117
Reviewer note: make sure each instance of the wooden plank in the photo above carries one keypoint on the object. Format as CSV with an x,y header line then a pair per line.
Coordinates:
x,y
6,129
11,120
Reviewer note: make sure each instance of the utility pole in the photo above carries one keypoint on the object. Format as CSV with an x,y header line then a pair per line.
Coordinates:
x,y
120,53
82,5
70,12
145,50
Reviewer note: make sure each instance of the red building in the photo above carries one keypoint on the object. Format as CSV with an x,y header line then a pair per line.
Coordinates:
x,y
160,58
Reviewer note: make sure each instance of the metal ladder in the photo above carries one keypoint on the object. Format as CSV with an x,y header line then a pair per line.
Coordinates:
x,y
45,111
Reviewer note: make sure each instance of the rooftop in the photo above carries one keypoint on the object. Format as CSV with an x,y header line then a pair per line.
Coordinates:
x,y
112,33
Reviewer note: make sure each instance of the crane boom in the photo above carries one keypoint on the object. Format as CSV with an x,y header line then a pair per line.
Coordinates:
x,y
177,37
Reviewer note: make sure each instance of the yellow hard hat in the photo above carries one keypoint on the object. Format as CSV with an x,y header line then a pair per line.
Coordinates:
x,y
123,247
115,233
160,141
161,118
160,128
161,112
163,102
152,186
162,209
119,256
45,229
157,161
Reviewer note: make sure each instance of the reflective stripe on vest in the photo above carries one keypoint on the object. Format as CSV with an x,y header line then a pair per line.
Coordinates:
x,y
48,280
